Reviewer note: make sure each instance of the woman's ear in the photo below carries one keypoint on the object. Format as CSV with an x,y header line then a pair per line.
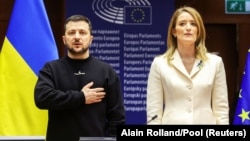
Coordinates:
x,y
173,32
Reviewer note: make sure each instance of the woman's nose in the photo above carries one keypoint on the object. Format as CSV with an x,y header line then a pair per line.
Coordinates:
x,y
188,26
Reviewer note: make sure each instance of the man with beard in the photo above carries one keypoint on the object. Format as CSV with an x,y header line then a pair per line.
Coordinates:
x,y
81,93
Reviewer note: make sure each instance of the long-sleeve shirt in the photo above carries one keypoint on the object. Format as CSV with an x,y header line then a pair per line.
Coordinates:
x,y
58,90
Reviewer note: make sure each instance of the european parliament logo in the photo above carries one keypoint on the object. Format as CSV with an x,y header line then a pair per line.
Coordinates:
x,y
127,12
138,15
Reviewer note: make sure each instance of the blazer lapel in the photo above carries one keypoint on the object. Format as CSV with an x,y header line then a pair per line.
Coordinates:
x,y
198,64
177,63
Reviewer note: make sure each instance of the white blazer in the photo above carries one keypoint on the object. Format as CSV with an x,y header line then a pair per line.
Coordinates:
x,y
177,97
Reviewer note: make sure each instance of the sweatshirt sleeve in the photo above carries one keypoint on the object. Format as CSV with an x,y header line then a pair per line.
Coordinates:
x,y
48,97
115,106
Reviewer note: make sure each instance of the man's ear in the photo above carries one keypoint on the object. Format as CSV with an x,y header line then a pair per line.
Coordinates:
x,y
63,38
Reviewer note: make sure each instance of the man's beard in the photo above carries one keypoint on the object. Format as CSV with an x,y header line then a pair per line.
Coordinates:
x,y
82,51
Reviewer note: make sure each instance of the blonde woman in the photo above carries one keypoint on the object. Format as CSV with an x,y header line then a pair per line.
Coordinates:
x,y
187,84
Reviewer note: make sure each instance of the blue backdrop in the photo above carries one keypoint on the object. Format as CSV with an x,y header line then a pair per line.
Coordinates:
x,y
128,34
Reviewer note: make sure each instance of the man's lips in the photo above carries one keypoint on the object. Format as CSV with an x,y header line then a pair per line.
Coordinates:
x,y
76,44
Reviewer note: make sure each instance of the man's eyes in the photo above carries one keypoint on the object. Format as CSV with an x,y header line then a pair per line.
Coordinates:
x,y
74,32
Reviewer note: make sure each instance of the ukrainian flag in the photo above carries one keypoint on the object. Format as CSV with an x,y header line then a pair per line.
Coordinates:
x,y
242,113
28,44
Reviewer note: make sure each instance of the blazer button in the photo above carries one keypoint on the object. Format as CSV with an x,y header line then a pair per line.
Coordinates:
x,y
189,110
189,98
189,86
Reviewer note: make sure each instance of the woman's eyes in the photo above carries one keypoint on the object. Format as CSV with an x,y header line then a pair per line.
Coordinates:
x,y
185,23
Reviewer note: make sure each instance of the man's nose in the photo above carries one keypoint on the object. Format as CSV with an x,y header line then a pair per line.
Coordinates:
x,y
77,35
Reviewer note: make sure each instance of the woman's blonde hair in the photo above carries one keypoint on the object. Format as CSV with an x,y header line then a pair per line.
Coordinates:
x,y
200,47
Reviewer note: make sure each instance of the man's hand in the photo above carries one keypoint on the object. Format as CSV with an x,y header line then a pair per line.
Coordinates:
x,y
92,95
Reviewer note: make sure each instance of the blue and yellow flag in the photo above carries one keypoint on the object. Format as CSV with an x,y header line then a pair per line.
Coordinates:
x,y
28,44
242,113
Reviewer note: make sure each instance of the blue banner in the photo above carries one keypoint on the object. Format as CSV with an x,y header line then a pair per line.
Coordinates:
x,y
242,116
128,34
